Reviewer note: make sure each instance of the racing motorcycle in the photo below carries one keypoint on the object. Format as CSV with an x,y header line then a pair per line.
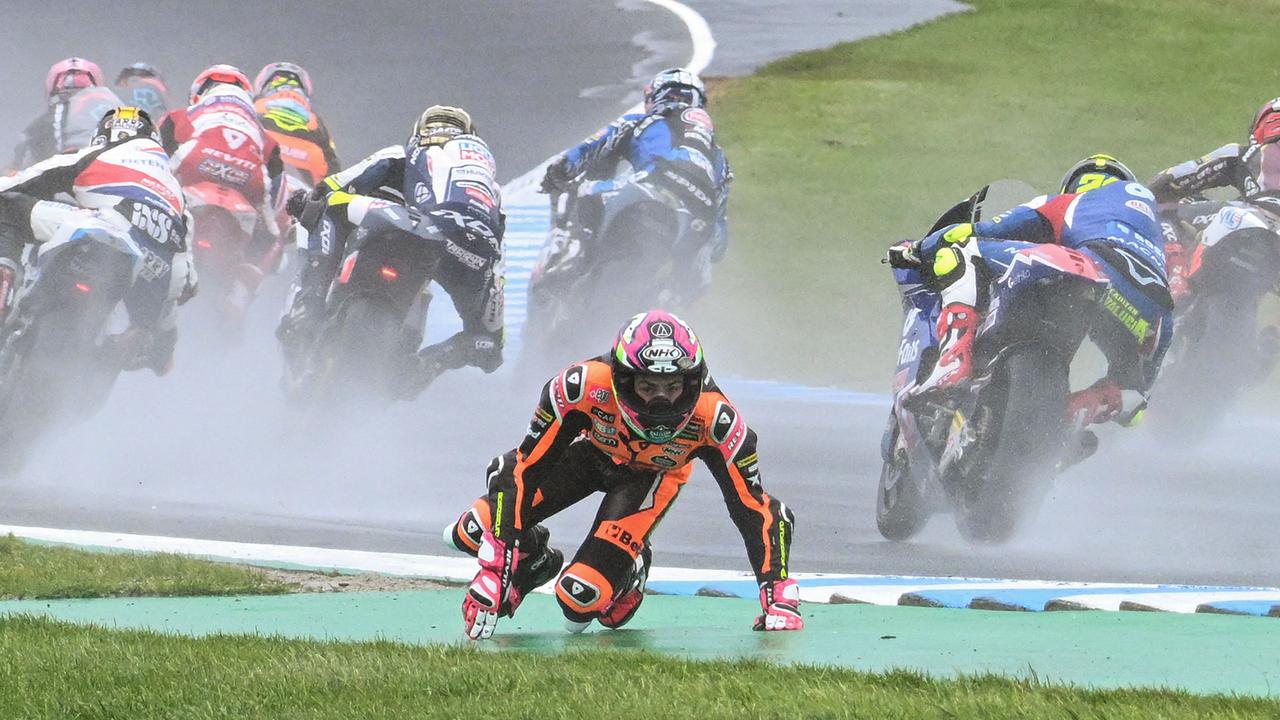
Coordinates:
x,y
58,360
375,312
645,253
1219,351
223,239
989,453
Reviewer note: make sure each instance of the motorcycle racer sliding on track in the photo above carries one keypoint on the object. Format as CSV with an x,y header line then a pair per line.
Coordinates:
x,y
446,173
1100,208
629,424
125,177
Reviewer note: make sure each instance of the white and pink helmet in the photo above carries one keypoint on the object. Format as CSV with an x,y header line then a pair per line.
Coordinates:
x,y
72,73
661,345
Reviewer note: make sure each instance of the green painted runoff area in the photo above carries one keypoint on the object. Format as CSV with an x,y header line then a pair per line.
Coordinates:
x,y
1197,653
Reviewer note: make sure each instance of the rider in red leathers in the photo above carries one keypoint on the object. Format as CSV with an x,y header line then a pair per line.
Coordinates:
x,y
219,139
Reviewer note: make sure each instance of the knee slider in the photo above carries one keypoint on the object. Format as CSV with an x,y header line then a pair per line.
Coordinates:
x,y
582,592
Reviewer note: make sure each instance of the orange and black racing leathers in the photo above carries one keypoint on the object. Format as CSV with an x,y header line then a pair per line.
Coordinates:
x,y
577,444
305,144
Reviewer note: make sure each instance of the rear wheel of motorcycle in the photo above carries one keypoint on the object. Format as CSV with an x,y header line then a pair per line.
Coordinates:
x,y
901,510
367,353
1018,448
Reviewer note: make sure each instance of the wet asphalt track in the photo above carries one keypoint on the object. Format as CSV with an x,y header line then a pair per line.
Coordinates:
x,y
213,452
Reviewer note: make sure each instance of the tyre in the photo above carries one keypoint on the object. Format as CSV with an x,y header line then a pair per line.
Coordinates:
x,y
1021,420
901,509
364,358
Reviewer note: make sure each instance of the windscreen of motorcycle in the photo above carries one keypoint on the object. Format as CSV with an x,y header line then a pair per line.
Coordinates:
x,y
1002,195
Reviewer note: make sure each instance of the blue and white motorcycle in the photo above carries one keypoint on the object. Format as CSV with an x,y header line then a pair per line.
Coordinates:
x,y
988,454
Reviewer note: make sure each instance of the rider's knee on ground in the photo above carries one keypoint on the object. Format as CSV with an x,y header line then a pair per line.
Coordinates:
x,y
583,592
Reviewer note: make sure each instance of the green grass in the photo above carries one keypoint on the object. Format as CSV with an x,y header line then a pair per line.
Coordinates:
x,y
73,671
38,571
842,151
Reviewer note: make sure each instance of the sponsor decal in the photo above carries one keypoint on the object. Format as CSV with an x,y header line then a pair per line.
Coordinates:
x,y
421,193
661,329
155,223
607,417
1126,313
222,172
697,116
153,266
573,379
466,257
909,350
660,434
228,158
600,395
234,138
661,353
580,592
604,440
620,536
478,195
1141,207
663,461
692,189
725,418
603,429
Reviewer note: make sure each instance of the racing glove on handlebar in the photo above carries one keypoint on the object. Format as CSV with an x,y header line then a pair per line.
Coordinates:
x,y
557,177
780,601
905,255
491,593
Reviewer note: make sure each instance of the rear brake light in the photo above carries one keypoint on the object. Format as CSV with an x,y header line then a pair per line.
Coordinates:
x,y
204,244
83,287
389,273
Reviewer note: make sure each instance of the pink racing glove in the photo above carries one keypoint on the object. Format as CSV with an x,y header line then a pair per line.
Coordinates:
x,y
483,603
780,600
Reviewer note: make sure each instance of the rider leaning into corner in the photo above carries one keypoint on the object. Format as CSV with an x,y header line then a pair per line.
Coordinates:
x,y
628,424
76,99
1100,208
124,183
445,172
283,104
1252,169
671,143
218,139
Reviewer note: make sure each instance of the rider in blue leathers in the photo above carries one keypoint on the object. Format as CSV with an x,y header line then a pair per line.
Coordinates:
x,y
446,173
1101,211
671,143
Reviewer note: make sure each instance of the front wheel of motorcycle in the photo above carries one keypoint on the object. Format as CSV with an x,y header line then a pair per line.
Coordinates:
x,y
1022,418
901,509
